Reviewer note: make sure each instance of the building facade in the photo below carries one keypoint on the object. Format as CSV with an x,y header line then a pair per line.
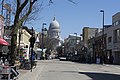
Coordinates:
x,y
113,39
24,38
87,34
70,44
54,36
110,50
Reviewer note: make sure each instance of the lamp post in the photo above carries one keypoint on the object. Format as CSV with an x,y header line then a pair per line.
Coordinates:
x,y
32,41
31,50
43,29
102,11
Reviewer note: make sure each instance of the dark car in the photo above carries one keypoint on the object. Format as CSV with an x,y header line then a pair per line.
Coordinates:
x,y
75,58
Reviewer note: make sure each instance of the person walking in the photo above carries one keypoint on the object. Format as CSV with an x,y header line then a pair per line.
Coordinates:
x,y
111,59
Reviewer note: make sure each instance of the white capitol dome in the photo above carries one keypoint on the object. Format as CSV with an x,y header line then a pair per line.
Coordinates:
x,y
54,25
54,29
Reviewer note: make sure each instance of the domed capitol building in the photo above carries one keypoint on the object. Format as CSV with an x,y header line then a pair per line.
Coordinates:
x,y
54,36
54,29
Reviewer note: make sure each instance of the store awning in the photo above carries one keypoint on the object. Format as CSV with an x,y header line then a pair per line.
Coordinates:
x,y
3,42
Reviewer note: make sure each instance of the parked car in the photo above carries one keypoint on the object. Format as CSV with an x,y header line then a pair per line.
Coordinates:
x,y
69,57
75,58
62,58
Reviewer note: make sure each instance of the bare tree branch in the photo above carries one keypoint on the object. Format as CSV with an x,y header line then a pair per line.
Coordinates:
x,y
18,4
50,1
34,1
19,10
28,13
72,1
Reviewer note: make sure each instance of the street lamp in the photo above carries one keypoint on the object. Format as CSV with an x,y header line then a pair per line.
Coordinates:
x,y
102,11
43,32
32,41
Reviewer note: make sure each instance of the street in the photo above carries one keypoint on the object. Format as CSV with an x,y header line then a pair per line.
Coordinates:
x,y
64,70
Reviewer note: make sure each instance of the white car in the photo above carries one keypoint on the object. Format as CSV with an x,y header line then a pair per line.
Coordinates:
x,y
62,58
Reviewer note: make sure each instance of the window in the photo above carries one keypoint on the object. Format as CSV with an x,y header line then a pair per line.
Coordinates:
x,y
117,35
116,23
113,24
109,39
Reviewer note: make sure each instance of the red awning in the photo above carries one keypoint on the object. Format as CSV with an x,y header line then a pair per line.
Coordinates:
x,y
3,42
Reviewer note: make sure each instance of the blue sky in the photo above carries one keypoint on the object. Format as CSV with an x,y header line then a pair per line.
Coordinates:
x,y
72,18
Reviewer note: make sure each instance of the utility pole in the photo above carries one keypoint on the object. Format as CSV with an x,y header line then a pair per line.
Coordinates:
x,y
43,29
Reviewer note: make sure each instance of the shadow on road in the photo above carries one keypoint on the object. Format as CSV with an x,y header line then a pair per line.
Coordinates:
x,y
101,76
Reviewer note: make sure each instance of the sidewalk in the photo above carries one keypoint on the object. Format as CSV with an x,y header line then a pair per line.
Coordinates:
x,y
114,66
28,75
22,72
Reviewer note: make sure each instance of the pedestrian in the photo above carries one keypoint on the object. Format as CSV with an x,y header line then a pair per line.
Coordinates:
x,y
111,59
33,56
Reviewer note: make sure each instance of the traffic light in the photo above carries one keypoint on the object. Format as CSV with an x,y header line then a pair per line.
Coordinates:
x,y
32,41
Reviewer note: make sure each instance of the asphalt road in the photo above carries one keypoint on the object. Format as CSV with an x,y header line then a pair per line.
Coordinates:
x,y
64,70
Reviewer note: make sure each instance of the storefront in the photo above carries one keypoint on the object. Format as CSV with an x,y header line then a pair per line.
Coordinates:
x,y
108,57
117,57
3,54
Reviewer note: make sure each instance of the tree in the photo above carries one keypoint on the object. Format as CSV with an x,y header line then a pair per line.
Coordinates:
x,y
18,21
